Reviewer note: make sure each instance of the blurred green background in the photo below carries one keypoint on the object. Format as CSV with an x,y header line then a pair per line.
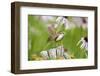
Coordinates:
x,y
38,38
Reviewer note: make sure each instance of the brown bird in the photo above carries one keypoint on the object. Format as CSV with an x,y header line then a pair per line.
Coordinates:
x,y
54,35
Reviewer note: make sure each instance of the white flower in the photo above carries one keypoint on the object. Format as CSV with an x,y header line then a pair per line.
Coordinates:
x,y
84,43
59,20
44,54
63,21
52,53
60,51
75,22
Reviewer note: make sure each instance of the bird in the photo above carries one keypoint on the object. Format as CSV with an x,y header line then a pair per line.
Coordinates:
x,y
53,35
